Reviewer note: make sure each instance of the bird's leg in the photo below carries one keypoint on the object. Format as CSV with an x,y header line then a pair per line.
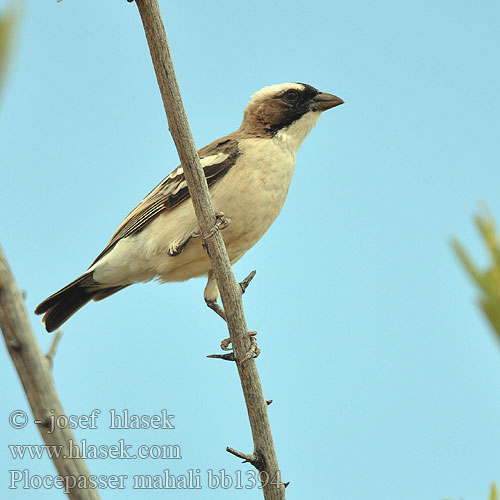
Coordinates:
x,y
211,294
213,304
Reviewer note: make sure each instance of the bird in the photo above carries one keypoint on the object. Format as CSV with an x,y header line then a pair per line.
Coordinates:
x,y
248,173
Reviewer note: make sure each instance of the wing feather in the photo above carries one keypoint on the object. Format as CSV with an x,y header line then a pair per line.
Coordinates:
x,y
217,158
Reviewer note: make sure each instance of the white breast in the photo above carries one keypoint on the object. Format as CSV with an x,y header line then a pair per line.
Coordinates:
x,y
253,192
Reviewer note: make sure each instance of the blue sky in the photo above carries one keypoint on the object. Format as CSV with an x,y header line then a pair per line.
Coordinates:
x,y
384,375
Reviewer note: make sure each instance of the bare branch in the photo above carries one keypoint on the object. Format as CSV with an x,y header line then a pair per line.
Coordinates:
x,y
230,290
34,371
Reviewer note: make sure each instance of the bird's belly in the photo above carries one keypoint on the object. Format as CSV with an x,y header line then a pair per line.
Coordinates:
x,y
251,217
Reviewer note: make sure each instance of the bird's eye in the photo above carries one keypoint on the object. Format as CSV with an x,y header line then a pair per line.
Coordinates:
x,y
291,95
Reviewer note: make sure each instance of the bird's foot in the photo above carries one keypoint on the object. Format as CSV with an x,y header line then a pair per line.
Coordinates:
x,y
253,352
221,222
177,246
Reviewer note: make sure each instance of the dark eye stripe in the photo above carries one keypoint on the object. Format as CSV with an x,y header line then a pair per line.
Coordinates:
x,y
293,109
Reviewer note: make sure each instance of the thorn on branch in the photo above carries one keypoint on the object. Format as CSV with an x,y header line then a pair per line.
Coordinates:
x,y
53,347
244,284
228,356
255,459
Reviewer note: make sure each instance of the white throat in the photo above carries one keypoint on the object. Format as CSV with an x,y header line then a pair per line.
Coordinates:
x,y
293,135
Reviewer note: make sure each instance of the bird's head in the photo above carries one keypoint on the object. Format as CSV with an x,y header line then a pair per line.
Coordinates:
x,y
287,110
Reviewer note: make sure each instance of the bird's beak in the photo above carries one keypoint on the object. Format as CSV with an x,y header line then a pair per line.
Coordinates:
x,y
324,101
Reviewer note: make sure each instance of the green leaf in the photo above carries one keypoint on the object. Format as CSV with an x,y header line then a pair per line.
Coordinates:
x,y
494,492
488,281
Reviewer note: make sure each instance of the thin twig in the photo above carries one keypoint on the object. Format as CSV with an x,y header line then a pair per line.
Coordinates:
x,y
253,458
53,347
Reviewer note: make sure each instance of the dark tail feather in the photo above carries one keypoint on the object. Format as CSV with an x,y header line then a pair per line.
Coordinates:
x,y
63,310
63,304
103,294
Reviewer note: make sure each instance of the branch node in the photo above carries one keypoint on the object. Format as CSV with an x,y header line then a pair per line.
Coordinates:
x,y
255,458
15,345
45,423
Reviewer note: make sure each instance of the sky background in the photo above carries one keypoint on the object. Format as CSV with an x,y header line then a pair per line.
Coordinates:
x,y
384,375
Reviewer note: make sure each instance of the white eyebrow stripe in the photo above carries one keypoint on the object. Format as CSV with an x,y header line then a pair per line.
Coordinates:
x,y
273,90
213,159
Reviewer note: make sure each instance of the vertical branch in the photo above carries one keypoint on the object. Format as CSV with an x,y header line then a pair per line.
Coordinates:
x,y
33,369
264,455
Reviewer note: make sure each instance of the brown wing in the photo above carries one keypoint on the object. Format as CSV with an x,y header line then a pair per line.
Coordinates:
x,y
173,190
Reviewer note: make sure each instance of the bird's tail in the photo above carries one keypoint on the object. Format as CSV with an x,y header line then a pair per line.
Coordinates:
x,y
60,306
